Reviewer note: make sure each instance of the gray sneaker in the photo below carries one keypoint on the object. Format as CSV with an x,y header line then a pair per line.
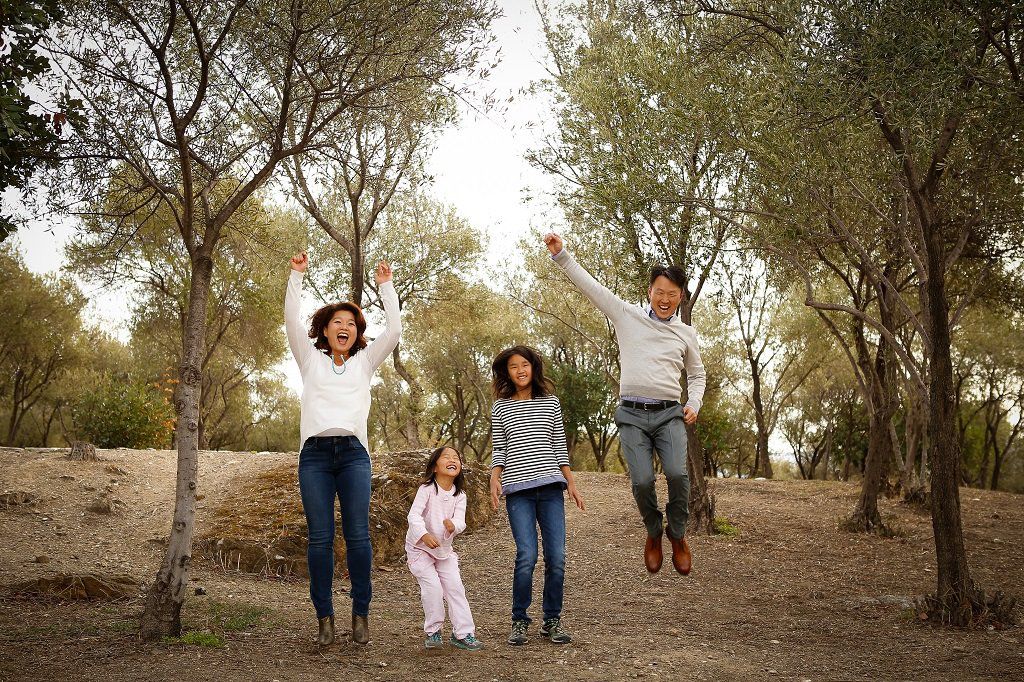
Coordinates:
x,y
552,629
433,640
469,643
518,635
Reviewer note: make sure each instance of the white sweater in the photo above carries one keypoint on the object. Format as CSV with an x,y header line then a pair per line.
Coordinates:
x,y
330,400
653,355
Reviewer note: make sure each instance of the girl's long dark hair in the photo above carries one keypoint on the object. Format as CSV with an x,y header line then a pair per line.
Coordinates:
x,y
501,382
430,477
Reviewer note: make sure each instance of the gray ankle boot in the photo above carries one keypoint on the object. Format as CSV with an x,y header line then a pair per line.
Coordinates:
x,y
326,635
360,629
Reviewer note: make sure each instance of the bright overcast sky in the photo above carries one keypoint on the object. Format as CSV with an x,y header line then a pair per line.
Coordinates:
x,y
478,165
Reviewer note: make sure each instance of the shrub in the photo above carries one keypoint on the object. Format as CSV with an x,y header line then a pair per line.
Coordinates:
x,y
120,412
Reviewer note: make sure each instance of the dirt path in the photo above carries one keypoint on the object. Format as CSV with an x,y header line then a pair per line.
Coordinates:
x,y
790,597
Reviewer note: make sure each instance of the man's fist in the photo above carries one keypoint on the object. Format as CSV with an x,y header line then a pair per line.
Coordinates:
x,y
300,261
554,243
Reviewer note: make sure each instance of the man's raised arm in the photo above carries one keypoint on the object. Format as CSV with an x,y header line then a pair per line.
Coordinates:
x,y
607,302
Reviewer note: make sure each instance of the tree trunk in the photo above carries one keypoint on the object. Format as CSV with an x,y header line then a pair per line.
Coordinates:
x,y
702,495
956,599
997,467
880,446
828,454
762,464
358,259
162,615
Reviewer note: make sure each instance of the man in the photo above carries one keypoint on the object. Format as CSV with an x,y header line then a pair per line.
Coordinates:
x,y
655,348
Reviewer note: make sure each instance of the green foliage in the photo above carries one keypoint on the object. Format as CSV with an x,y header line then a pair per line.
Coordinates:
x,y
244,338
28,133
235,617
40,338
122,412
197,638
724,526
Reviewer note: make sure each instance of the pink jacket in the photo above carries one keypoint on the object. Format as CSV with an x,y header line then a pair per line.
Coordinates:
x,y
429,510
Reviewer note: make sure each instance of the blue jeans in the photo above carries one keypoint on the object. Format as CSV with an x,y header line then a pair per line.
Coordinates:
x,y
337,466
642,433
527,509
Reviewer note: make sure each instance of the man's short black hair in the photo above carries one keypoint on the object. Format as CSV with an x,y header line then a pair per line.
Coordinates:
x,y
674,273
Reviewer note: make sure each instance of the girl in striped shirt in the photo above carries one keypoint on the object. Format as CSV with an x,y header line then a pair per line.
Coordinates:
x,y
530,467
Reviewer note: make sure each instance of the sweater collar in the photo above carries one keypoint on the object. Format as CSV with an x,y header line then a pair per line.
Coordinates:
x,y
650,312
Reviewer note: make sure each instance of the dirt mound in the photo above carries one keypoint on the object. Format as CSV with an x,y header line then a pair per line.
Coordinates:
x,y
262,529
17,499
64,586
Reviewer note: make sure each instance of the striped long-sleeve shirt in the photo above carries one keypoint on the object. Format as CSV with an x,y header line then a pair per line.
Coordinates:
x,y
529,442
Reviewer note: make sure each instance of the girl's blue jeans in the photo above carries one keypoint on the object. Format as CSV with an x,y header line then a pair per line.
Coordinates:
x,y
528,509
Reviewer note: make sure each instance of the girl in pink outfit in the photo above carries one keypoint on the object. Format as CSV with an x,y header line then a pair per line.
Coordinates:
x,y
437,515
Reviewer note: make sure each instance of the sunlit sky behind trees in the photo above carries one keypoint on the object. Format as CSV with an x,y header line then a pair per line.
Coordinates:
x,y
478,167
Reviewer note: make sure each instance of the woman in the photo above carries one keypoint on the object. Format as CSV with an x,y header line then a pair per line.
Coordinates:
x,y
333,458
530,466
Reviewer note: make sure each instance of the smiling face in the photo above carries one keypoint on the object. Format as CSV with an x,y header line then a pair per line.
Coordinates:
x,y
520,371
341,332
665,296
448,464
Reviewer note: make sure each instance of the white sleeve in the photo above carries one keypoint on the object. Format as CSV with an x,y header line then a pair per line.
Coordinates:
x,y
298,340
378,351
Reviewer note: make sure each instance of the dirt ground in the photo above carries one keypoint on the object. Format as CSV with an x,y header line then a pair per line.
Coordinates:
x,y
790,597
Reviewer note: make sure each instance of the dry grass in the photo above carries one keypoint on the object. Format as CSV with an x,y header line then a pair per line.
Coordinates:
x,y
262,529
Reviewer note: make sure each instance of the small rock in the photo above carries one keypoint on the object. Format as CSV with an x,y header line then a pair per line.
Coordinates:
x,y
200,591
41,559
775,641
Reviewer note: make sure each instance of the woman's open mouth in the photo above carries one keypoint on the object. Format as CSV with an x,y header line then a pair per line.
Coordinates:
x,y
452,467
343,338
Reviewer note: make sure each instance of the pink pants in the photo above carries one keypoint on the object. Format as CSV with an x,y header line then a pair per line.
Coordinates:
x,y
440,581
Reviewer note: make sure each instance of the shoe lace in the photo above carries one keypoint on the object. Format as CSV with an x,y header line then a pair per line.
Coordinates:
x,y
470,639
553,624
519,627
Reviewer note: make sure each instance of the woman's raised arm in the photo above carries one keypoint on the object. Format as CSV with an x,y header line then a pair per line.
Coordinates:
x,y
381,348
298,340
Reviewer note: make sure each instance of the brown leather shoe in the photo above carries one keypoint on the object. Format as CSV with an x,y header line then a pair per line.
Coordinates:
x,y
360,629
681,557
326,635
652,554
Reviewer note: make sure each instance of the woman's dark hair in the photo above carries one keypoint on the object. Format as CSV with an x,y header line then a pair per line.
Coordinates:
x,y
673,273
501,382
430,477
326,314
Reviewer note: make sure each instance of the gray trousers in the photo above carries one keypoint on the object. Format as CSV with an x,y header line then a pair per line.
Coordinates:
x,y
642,433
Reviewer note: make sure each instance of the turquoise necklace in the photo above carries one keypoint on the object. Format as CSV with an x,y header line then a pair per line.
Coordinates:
x,y
334,367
